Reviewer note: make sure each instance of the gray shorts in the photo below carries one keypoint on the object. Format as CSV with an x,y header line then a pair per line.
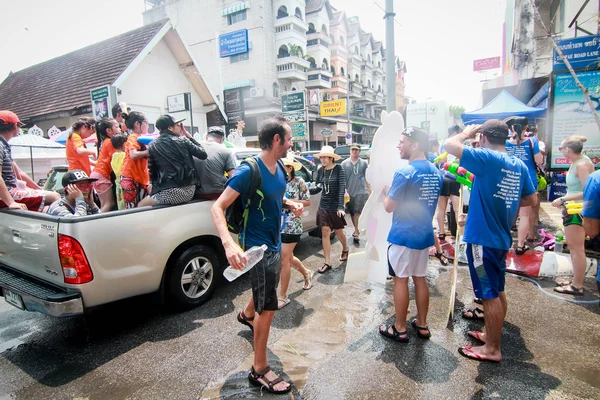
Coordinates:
x,y
177,195
265,278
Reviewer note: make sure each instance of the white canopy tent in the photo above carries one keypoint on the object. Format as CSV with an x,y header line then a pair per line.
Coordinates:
x,y
42,153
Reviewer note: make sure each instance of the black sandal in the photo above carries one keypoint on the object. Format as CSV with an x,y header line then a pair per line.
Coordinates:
x,y
324,268
477,301
569,289
418,328
520,250
342,255
395,335
443,259
476,314
254,377
442,237
242,319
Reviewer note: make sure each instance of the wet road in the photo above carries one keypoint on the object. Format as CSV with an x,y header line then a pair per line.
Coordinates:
x,y
325,340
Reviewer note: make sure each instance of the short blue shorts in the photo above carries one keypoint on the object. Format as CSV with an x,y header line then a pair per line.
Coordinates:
x,y
487,267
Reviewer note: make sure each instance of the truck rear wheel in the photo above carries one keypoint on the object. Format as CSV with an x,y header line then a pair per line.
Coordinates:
x,y
192,277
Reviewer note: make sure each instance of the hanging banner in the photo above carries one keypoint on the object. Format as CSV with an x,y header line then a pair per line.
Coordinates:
x,y
571,115
332,108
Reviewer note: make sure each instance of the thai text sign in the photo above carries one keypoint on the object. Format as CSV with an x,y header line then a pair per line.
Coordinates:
x,y
582,52
233,43
486,63
298,131
571,115
292,102
295,116
334,107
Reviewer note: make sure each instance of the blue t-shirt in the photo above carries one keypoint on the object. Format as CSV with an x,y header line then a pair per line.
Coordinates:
x,y
500,182
262,229
416,188
591,196
523,152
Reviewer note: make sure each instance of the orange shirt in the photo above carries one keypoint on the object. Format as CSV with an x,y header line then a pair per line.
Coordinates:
x,y
135,169
76,160
104,158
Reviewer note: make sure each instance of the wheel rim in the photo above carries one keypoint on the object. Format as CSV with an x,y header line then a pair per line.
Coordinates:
x,y
197,277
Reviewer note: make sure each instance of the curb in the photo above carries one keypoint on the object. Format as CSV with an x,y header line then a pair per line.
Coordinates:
x,y
559,265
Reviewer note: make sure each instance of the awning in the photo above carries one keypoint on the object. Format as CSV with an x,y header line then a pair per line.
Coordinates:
x,y
239,84
540,96
235,8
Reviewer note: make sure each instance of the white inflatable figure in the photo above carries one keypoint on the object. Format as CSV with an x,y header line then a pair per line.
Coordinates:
x,y
385,160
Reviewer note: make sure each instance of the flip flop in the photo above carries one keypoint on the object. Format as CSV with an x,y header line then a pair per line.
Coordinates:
x,y
282,303
308,280
476,335
342,255
469,353
476,314
324,268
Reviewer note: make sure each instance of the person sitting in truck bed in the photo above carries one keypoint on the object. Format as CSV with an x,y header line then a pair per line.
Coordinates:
x,y
17,190
171,164
79,196
219,161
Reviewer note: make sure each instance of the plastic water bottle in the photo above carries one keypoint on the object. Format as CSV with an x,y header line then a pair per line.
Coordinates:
x,y
558,243
254,255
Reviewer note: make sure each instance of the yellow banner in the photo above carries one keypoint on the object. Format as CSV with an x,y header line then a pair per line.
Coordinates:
x,y
334,107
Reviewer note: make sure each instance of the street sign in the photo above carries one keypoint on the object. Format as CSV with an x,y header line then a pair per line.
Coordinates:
x,y
486,63
432,110
178,102
292,101
101,101
332,108
326,132
348,136
298,131
582,52
359,109
233,43
425,126
294,116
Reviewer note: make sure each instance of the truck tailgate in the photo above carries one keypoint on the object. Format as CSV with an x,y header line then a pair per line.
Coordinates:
x,y
29,244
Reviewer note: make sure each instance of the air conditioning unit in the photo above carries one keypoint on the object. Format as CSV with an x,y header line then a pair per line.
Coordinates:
x,y
257,92
327,97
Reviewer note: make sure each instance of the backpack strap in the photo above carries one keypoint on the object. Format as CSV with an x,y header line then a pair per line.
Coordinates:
x,y
253,192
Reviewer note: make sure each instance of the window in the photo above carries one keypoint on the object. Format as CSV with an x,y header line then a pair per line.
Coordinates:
x,y
275,90
312,62
239,57
283,52
324,29
311,28
332,70
298,13
237,17
282,12
325,64
342,72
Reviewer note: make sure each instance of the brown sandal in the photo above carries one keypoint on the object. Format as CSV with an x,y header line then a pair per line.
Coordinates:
x,y
254,378
242,319
324,268
342,255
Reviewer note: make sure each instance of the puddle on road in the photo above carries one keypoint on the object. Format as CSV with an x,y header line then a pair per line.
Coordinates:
x,y
341,316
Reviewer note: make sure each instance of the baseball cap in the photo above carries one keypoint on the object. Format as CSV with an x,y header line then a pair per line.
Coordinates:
x,y
165,121
494,127
216,130
417,135
9,117
74,176
355,146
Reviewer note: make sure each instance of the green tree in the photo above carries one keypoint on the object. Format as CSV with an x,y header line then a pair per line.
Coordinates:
x,y
456,112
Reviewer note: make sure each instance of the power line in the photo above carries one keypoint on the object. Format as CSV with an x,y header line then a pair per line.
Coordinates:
x,y
383,9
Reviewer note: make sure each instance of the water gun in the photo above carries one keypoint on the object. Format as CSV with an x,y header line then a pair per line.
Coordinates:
x,y
457,173
440,157
573,207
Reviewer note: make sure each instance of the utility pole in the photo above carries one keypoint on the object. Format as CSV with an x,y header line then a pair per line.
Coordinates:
x,y
390,69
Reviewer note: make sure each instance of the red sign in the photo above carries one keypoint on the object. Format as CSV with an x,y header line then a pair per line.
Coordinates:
x,y
486,63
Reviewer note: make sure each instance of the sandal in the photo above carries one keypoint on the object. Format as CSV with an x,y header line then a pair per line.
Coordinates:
x,y
476,335
308,280
242,319
324,268
477,301
355,238
565,283
443,259
254,378
342,258
395,335
569,289
468,352
442,237
476,314
282,303
520,250
418,328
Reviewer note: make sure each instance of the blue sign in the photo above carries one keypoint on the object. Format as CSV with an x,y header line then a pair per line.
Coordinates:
x,y
582,52
233,43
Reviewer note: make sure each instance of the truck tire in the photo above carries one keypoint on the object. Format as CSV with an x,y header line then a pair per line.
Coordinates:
x,y
192,278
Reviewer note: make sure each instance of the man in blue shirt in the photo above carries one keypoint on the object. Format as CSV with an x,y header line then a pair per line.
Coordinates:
x,y
412,198
264,225
501,185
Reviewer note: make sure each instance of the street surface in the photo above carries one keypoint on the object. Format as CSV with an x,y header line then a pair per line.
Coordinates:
x,y
325,340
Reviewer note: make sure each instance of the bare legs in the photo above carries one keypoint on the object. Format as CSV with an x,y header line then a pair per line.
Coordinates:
x,y
147,201
575,236
326,241
441,211
523,229
287,261
401,300
422,299
495,312
355,218
106,201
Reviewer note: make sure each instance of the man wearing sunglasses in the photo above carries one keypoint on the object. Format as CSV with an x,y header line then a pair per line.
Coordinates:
x,y
79,196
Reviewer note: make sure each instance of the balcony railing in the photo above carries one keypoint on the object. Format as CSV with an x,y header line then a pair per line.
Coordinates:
x,y
292,68
339,81
316,42
291,23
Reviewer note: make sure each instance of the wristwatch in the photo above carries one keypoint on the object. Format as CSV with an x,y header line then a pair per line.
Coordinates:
x,y
562,200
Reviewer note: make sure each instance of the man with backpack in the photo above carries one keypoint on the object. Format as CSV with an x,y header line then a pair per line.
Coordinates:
x,y
262,225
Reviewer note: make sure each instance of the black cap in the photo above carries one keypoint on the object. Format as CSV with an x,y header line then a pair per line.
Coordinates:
x,y
74,176
417,135
494,127
165,121
216,130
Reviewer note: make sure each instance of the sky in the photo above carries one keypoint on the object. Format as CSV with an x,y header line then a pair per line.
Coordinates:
x,y
438,39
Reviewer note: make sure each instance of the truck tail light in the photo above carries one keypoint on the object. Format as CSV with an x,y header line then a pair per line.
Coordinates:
x,y
73,260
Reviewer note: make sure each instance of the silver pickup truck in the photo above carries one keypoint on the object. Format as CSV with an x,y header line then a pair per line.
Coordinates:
x,y
66,266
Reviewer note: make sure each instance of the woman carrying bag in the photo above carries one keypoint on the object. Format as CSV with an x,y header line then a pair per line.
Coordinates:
x,y
331,208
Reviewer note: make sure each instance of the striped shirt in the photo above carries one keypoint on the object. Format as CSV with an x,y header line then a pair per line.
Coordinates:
x,y
333,183
62,208
6,160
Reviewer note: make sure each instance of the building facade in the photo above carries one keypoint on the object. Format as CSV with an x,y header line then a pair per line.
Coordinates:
x,y
294,45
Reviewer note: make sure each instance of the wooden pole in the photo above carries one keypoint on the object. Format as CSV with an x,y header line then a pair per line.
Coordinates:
x,y
450,324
